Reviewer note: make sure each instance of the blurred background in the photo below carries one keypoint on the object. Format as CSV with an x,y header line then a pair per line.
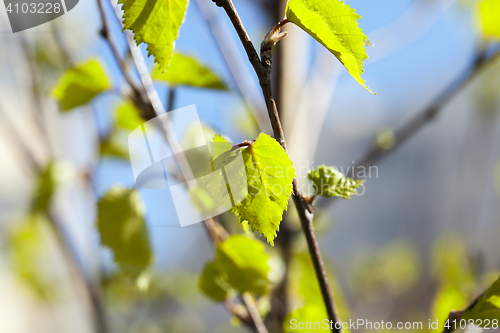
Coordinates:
x,y
420,241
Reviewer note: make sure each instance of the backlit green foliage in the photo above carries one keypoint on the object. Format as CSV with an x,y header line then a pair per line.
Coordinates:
x,y
329,182
269,175
241,264
488,305
448,299
212,284
304,286
156,23
80,85
188,71
333,24
121,226
490,17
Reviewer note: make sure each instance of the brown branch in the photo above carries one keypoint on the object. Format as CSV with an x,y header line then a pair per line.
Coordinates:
x,y
249,302
408,130
262,68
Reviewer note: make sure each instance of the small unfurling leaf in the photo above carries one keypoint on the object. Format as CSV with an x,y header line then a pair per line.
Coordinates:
x,y
329,182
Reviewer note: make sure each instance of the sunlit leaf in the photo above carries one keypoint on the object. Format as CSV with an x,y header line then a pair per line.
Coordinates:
x,y
448,299
333,24
488,305
25,245
329,182
80,85
128,116
113,146
156,23
269,174
220,146
188,71
243,264
490,17
122,229
45,187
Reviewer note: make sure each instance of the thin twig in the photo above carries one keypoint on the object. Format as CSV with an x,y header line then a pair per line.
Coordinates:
x,y
254,313
263,70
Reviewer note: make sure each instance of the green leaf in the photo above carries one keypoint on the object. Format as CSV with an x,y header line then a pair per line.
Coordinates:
x,y
329,182
243,264
114,146
269,174
122,229
45,188
27,244
211,283
220,146
80,85
188,71
488,305
490,12
156,23
128,116
333,24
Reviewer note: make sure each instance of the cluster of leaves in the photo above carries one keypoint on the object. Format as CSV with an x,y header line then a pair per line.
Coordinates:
x,y
328,182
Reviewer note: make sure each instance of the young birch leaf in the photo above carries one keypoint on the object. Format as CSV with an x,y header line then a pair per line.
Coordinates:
x,y
128,117
333,24
269,174
122,229
488,305
329,182
490,12
211,284
188,71
156,23
242,263
80,85
46,185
